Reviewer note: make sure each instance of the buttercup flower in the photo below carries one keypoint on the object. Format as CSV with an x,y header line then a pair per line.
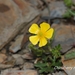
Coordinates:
x,y
41,34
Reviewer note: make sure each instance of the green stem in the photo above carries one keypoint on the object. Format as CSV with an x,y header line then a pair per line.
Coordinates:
x,y
49,46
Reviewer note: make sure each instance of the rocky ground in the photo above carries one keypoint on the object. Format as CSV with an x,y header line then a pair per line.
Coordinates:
x,y
15,18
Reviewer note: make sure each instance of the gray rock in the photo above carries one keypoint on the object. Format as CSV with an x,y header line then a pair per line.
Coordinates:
x,y
9,69
44,12
10,62
31,72
28,65
16,46
23,51
35,2
13,69
48,74
57,9
56,21
19,61
5,66
58,73
73,1
27,56
3,51
70,72
3,57
74,18
4,72
14,15
63,36
16,56
19,72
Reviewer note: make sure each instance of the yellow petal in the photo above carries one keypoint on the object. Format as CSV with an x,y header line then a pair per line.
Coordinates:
x,y
44,26
34,39
49,33
43,42
34,29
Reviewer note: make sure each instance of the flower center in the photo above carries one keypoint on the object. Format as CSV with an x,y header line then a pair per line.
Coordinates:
x,y
40,34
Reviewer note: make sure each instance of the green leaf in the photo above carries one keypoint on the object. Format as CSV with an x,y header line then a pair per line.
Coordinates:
x,y
68,3
36,51
44,58
44,67
56,51
72,12
58,63
46,70
69,55
40,65
67,14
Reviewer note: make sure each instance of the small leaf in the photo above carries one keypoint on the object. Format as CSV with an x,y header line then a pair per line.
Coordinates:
x,y
72,12
57,63
70,55
56,51
69,13
40,65
44,67
36,51
68,3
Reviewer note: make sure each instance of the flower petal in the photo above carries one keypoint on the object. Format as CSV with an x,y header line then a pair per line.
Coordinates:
x,y
34,29
43,42
49,33
34,39
44,26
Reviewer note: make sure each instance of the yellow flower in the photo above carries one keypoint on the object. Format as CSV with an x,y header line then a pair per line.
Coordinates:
x,y
41,34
